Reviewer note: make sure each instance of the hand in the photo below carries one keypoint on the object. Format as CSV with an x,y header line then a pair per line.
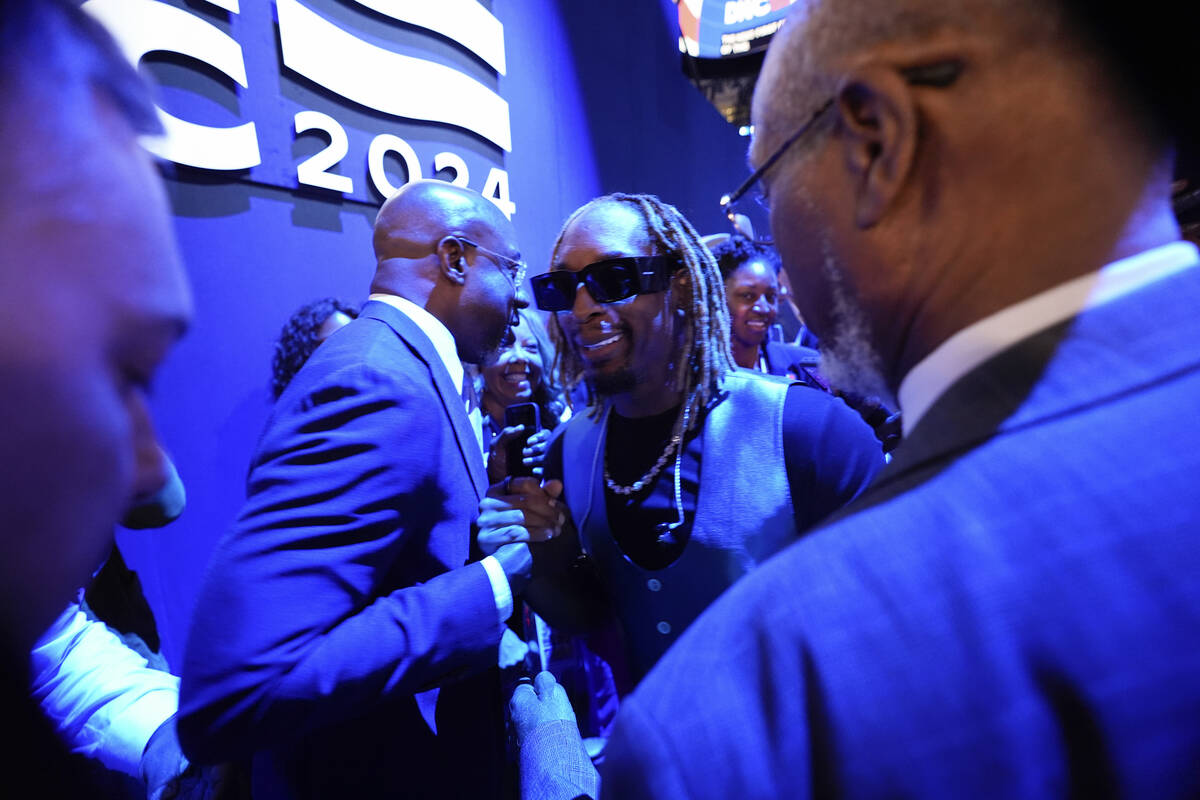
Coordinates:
x,y
533,454
513,649
542,702
887,426
890,432
519,510
215,782
536,448
517,563
163,764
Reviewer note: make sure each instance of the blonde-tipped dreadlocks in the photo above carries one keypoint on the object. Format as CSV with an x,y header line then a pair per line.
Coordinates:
x,y
705,356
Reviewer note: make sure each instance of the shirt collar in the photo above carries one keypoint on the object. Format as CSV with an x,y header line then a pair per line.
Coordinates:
x,y
978,342
431,326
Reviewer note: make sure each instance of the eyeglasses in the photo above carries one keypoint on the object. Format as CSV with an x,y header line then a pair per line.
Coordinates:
x,y
938,75
607,281
513,269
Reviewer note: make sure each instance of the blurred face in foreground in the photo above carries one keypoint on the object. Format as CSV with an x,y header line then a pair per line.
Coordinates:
x,y
94,297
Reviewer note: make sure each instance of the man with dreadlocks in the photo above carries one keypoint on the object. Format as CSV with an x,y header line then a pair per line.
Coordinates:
x,y
687,471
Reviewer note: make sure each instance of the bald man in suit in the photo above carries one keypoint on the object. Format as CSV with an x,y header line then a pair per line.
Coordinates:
x,y
341,636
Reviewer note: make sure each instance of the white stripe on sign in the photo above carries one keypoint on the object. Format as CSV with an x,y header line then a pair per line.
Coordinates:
x,y
385,81
463,21
145,26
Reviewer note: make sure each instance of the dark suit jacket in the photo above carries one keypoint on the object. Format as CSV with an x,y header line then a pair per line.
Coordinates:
x,y
793,361
1011,610
341,592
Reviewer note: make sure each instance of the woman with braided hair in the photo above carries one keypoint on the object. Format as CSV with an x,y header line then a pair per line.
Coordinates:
x,y
685,471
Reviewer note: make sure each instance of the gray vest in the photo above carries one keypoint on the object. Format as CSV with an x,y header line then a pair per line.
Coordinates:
x,y
743,514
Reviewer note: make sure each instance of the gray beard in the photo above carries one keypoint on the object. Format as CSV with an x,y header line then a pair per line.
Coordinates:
x,y
848,359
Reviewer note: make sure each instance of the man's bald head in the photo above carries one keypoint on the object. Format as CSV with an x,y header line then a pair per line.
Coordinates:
x,y
452,252
421,212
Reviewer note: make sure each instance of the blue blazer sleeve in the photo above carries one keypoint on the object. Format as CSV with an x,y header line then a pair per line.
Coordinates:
x,y
831,454
342,582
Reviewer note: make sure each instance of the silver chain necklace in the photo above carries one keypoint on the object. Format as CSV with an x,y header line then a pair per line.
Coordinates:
x,y
672,448
651,474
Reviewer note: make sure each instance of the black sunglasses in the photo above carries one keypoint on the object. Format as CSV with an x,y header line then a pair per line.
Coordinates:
x,y
607,281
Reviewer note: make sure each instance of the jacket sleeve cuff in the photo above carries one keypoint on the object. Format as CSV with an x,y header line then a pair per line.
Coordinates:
x,y
501,591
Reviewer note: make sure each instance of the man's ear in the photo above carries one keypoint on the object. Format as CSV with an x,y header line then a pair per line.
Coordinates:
x,y
452,260
878,116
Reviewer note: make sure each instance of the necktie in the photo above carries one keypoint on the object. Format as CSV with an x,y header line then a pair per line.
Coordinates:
x,y
471,404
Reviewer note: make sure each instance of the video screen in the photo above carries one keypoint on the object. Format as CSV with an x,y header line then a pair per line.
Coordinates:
x,y
728,28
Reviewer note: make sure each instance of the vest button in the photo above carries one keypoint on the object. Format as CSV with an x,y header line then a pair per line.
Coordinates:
x,y
664,627
654,584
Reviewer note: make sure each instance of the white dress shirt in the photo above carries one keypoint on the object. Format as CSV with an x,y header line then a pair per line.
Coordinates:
x,y
970,347
443,343
103,698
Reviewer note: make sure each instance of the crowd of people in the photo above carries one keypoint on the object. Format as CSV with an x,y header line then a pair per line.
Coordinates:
x,y
633,543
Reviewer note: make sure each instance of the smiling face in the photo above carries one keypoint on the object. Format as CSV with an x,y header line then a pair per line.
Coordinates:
x,y
753,295
628,344
513,373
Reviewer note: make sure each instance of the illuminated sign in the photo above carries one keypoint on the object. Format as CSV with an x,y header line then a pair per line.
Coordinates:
x,y
721,28
358,74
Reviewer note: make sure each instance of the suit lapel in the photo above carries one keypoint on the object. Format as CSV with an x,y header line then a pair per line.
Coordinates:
x,y
1128,344
452,403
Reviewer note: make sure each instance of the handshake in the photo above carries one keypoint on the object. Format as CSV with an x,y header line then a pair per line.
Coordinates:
x,y
517,511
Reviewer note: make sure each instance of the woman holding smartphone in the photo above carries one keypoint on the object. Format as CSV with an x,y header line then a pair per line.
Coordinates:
x,y
518,372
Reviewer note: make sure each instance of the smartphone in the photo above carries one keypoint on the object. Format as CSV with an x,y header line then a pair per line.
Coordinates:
x,y
520,414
